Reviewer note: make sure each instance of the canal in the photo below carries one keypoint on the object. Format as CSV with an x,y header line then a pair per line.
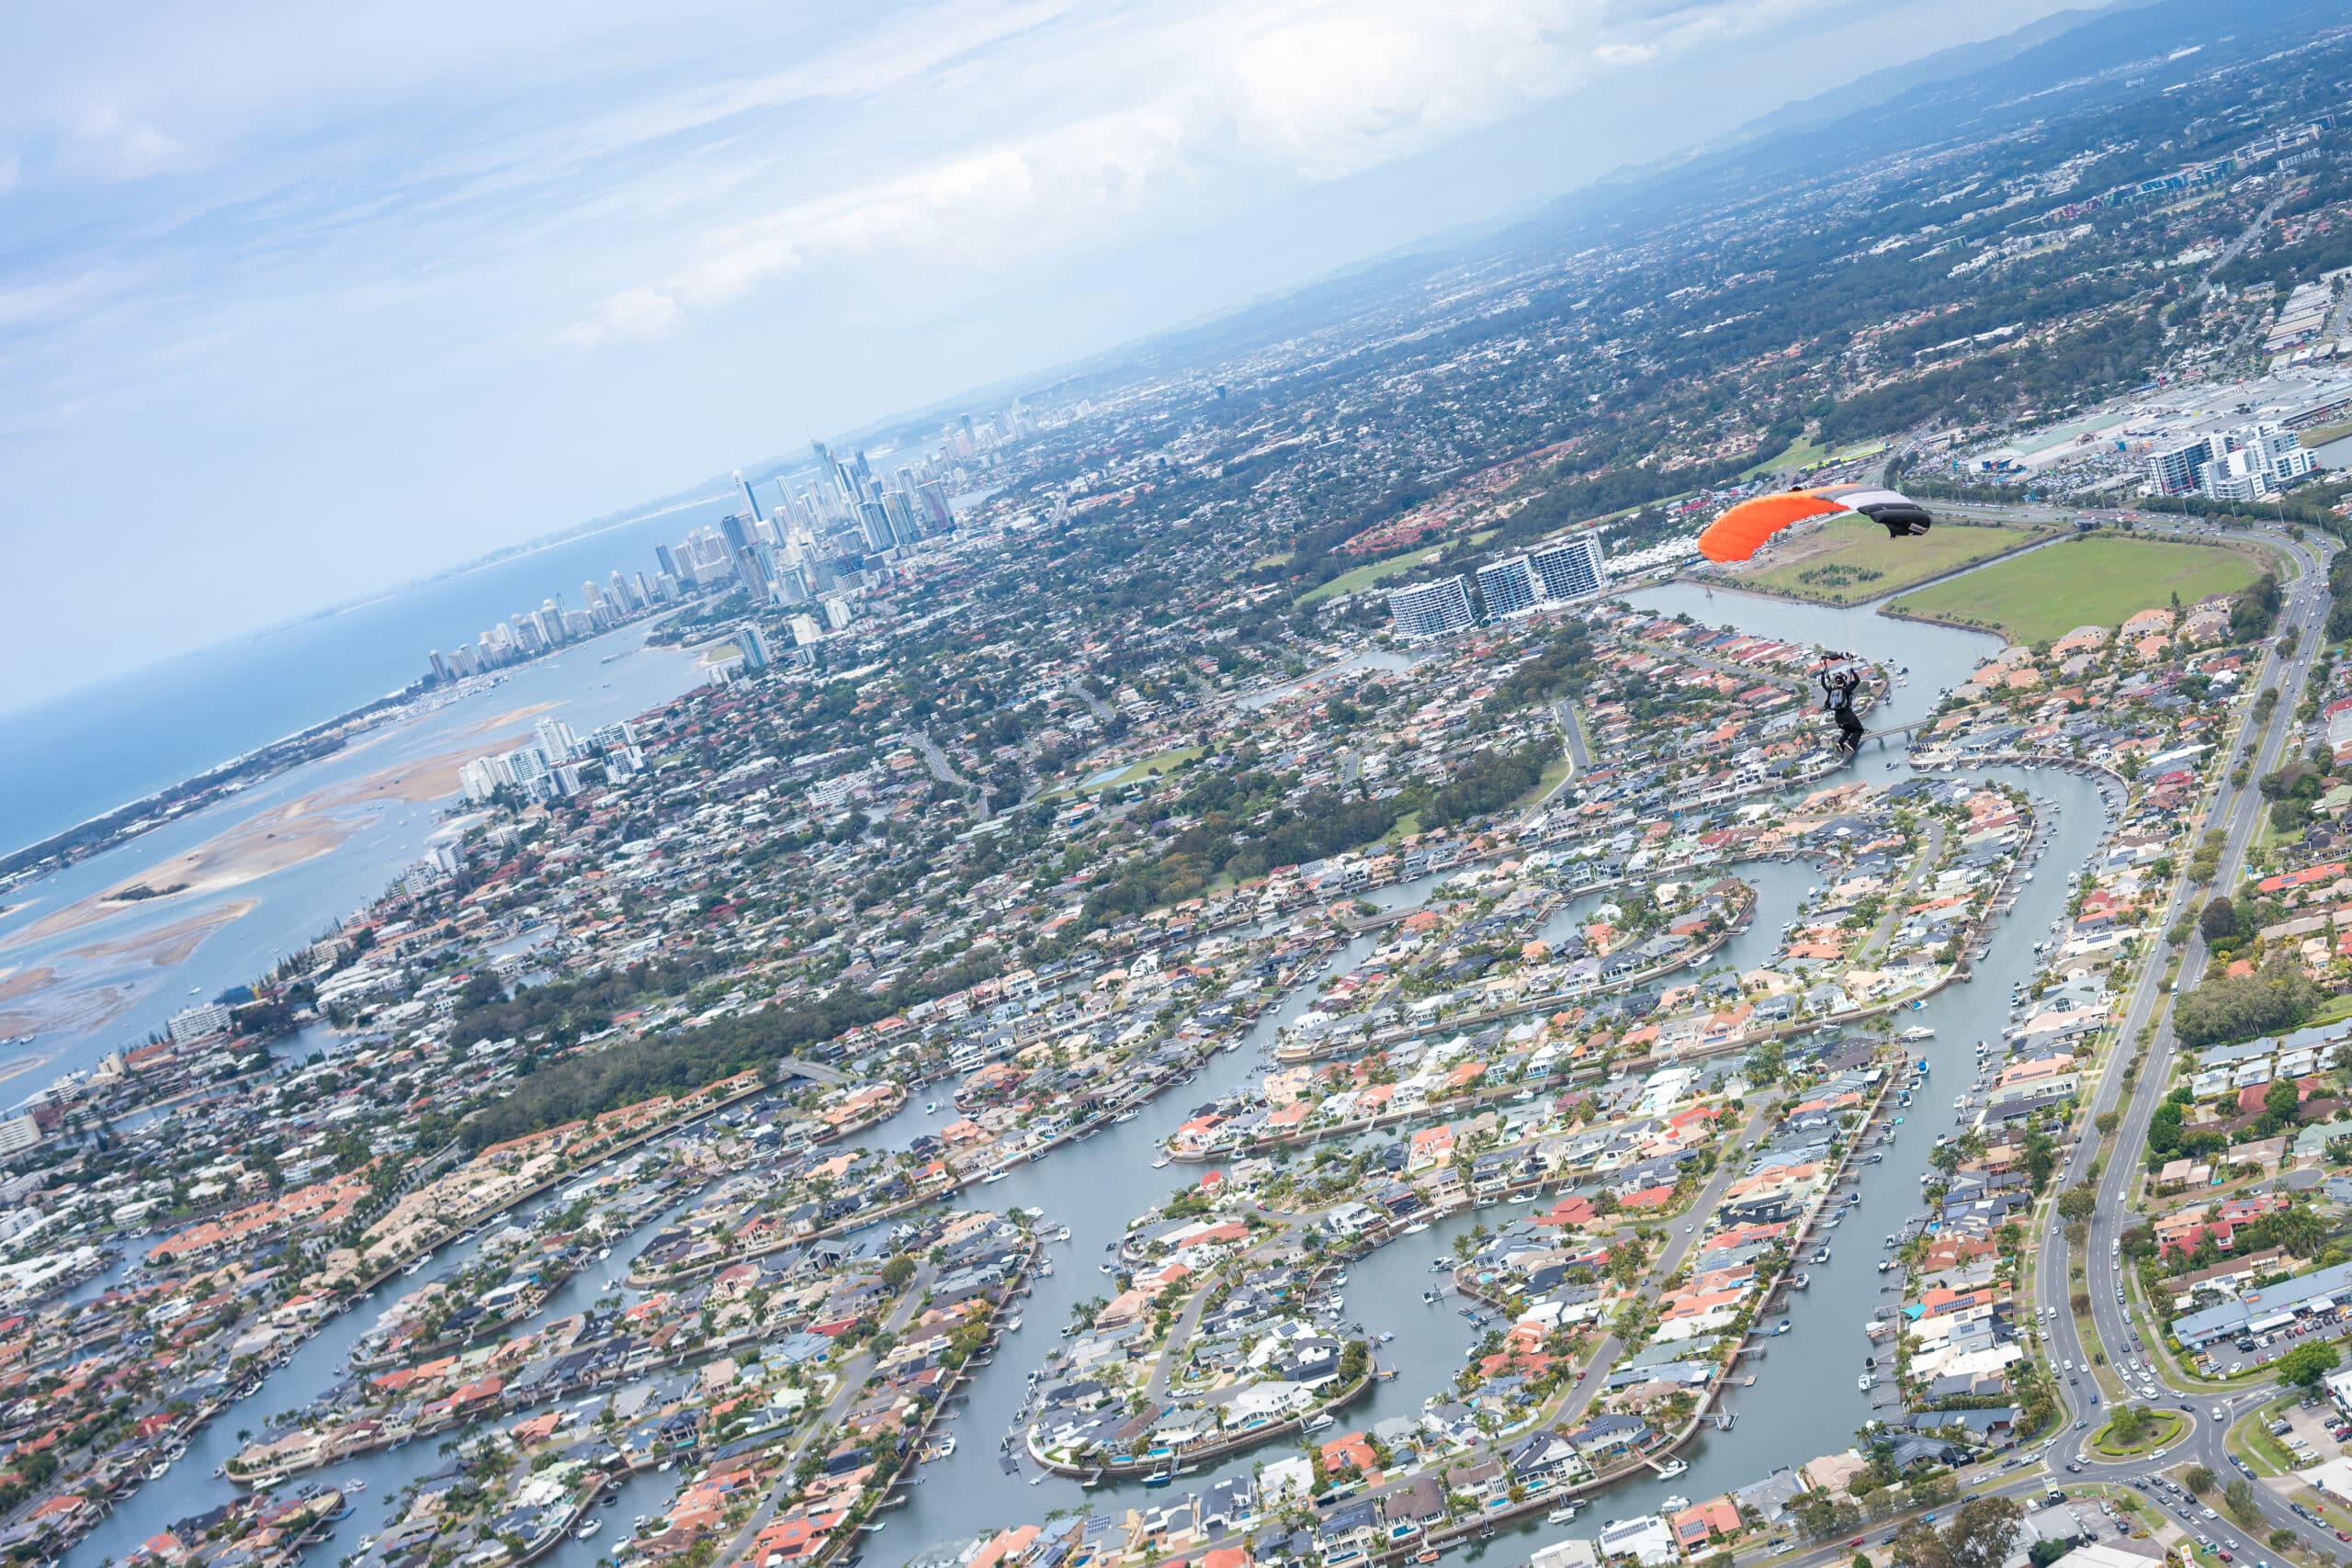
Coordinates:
x,y
1805,1401
1095,1188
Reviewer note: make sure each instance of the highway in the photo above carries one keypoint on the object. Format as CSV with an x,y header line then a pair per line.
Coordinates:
x,y
2236,810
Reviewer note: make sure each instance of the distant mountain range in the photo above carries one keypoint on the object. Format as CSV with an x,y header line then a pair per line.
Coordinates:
x,y
2123,52
1895,81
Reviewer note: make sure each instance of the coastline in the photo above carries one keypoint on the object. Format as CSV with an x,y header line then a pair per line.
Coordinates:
x,y
92,836
301,830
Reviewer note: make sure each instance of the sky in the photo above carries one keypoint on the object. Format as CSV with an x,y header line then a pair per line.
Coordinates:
x,y
298,301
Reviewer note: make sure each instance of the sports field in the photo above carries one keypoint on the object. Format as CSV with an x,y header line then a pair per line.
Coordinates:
x,y
2099,581
1365,576
1370,572
1851,560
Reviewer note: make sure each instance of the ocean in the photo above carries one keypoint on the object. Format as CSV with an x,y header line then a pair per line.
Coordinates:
x,y
82,991
81,755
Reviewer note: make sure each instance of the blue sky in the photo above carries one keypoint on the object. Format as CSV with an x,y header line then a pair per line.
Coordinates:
x,y
297,300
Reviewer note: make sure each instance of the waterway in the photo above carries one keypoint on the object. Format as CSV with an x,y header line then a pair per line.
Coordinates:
x,y
1095,1188
115,983
1805,1401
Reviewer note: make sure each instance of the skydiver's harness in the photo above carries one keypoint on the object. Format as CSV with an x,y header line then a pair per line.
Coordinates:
x,y
1839,686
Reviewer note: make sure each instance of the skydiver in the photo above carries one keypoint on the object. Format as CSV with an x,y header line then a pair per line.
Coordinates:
x,y
1838,690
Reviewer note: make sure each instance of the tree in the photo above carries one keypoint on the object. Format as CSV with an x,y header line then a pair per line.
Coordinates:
x,y
2128,1424
1978,1537
2305,1365
2227,1008
2219,919
898,1272
2238,1498
2199,1479
2077,1202
1822,1515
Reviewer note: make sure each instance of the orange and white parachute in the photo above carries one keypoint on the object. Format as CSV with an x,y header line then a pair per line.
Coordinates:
x,y
1739,533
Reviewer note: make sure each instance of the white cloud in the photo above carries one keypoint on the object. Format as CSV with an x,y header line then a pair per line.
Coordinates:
x,y
635,315
40,304
283,239
1306,95
1238,97
102,142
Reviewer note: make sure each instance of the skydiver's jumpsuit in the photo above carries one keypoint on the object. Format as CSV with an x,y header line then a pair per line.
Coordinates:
x,y
1840,691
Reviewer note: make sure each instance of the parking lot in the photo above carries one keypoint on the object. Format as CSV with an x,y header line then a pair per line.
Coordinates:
x,y
2227,1358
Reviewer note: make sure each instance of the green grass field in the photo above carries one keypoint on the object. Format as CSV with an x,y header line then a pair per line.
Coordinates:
x,y
2099,581
1797,454
1866,564
1152,767
1365,575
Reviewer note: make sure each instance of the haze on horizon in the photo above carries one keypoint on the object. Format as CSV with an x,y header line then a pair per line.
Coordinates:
x,y
301,302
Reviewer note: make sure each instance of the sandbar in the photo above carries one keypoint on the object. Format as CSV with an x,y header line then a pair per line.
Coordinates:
x,y
25,982
22,1065
91,1007
172,943
271,840
512,715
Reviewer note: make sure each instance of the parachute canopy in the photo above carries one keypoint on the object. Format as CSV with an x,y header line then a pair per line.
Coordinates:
x,y
1739,533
